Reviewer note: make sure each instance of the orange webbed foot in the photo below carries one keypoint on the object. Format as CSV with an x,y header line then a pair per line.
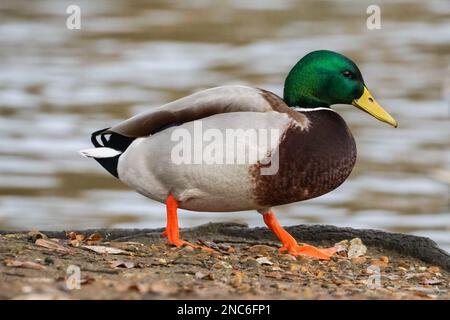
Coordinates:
x,y
310,251
290,244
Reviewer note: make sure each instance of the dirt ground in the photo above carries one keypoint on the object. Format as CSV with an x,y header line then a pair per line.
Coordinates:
x,y
244,264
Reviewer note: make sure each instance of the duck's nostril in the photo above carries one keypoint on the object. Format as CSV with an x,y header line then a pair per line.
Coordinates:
x,y
370,99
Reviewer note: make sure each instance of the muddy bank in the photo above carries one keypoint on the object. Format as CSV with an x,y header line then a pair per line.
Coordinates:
x,y
244,263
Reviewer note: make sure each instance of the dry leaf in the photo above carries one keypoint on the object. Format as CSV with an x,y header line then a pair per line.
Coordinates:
x,y
94,238
71,235
105,250
121,264
35,234
75,238
23,264
51,244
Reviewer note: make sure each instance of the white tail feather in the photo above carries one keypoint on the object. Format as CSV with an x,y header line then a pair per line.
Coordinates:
x,y
102,152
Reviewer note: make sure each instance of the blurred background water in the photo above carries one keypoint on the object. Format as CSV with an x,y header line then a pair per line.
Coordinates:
x,y
58,85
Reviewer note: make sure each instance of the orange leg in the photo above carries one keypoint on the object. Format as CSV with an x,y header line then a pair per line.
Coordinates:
x,y
290,245
172,232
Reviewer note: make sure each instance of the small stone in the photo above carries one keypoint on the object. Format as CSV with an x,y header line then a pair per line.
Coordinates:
x,y
200,275
264,261
434,269
359,260
381,262
231,249
188,249
356,248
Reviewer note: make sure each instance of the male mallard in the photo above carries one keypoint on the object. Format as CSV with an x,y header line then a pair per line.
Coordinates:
x,y
314,152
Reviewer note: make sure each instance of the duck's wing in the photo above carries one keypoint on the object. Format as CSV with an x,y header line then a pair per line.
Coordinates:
x,y
201,105
111,142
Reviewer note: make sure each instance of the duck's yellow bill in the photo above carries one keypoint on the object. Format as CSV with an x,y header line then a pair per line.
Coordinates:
x,y
368,104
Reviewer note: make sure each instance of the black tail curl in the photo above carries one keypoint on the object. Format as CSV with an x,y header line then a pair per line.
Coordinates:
x,y
111,140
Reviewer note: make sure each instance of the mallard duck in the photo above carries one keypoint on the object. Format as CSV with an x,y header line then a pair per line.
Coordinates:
x,y
313,153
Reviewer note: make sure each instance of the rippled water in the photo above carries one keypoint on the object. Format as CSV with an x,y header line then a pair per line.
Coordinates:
x,y
59,85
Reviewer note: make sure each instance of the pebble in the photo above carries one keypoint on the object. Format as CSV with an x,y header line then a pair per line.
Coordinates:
x,y
356,248
359,260
188,249
434,269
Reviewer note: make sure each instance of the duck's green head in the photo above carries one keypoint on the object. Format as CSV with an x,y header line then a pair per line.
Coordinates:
x,y
323,78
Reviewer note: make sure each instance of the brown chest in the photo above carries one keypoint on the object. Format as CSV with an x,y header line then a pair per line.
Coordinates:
x,y
311,162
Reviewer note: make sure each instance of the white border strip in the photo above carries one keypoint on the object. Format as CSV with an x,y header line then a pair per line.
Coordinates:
x,y
311,109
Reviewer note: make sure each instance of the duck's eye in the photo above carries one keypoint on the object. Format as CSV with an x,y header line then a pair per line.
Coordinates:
x,y
347,74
